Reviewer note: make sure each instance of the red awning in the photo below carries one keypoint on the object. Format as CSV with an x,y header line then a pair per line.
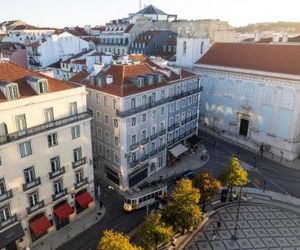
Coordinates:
x,y
63,211
84,199
40,225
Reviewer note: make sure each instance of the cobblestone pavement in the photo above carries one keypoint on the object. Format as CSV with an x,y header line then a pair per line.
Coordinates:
x,y
259,227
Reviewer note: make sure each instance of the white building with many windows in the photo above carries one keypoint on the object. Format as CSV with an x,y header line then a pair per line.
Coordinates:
x,y
141,110
46,173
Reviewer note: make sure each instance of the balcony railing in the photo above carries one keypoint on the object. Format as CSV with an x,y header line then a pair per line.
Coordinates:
x,y
142,108
79,162
134,146
162,132
81,183
153,152
36,207
144,157
43,127
55,197
8,222
162,147
134,163
144,141
153,137
57,173
7,195
32,184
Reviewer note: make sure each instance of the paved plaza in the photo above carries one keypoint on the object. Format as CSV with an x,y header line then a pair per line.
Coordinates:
x,y
259,227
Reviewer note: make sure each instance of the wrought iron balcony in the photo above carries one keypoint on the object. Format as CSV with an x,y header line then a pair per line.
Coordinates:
x,y
79,162
57,173
134,163
144,141
150,105
43,127
63,193
36,207
81,183
162,132
7,195
153,152
32,184
144,157
162,147
172,127
134,146
8,222
153,137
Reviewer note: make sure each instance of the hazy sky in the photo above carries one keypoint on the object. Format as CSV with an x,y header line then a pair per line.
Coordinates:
x,y
62,13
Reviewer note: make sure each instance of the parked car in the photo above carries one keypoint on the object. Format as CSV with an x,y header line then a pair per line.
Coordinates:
x,y
187,174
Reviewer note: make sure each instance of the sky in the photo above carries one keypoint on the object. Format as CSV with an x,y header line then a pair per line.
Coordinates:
x,y
62,13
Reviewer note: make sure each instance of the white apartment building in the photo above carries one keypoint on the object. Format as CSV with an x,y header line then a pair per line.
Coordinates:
x,y
252,95
46,172
141,110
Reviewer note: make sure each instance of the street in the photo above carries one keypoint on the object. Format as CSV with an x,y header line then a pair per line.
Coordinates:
x,y
276,177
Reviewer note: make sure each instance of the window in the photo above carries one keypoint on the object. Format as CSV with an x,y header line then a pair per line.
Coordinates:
x,y
106,119
144,134
105,101
162,125
153,97
171,107
99,133
153,130
25,149
108,153
107,136
153,114
49,115
20,122
2,186
73,108
144,117
116,122
133,121
75,132
79,176
201,47
152,146
162,94
98,116
117,159
132,103
116,141
114,103
98,98
133,139
144,100
13,92
29,175
77,154
33,198
43,87
89,93
189,100
177,105
52,140
133,157
162,111
5,213
184,48
183,102
55,163
58,187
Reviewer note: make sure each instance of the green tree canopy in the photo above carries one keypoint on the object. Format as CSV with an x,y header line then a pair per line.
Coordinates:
x,y
115,241
154,232
207,184
183,212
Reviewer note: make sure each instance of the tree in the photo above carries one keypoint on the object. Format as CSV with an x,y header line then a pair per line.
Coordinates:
x,y
234,175
154,232
183,212
115,241
208,186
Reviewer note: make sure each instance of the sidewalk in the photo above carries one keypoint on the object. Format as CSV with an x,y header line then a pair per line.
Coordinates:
x,y
290,164
60,237
188,162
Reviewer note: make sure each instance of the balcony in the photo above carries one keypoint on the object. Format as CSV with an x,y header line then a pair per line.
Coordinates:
x,y
153,152
79,162
34,63
134,163
144,141
134,146
63,193
32,184
7,195
153,137
8,222
171,128
36,207
162,132
81,183
43,127
126,113
162,147
144,157
57,173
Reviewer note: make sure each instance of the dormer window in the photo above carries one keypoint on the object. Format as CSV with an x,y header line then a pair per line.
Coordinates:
x,y
40,85
43,87
12,92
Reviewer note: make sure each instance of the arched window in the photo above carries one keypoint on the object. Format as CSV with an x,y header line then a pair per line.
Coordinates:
x,y
184,47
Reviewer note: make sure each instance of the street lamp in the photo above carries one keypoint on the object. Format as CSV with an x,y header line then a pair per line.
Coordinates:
x,y
234,237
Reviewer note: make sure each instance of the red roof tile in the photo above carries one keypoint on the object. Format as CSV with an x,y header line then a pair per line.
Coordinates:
x,y
263,57
79,77
14,73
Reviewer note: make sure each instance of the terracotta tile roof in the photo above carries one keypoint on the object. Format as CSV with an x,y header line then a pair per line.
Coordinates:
x,y
14,73
79,61
128,28
80,54
76,31
263,57
138,57
295,39
55,65
265,40
79,77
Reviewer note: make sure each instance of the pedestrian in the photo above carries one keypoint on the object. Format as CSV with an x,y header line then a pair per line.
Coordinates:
x,y
214,235
261,149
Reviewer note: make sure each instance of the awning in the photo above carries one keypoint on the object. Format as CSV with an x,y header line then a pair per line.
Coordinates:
x,y
193,140
178,150
84,199
63,211
11,234
40,225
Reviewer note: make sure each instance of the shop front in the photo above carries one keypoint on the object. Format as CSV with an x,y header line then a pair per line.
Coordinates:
x,y
9,238
62,211
82,200
39,225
